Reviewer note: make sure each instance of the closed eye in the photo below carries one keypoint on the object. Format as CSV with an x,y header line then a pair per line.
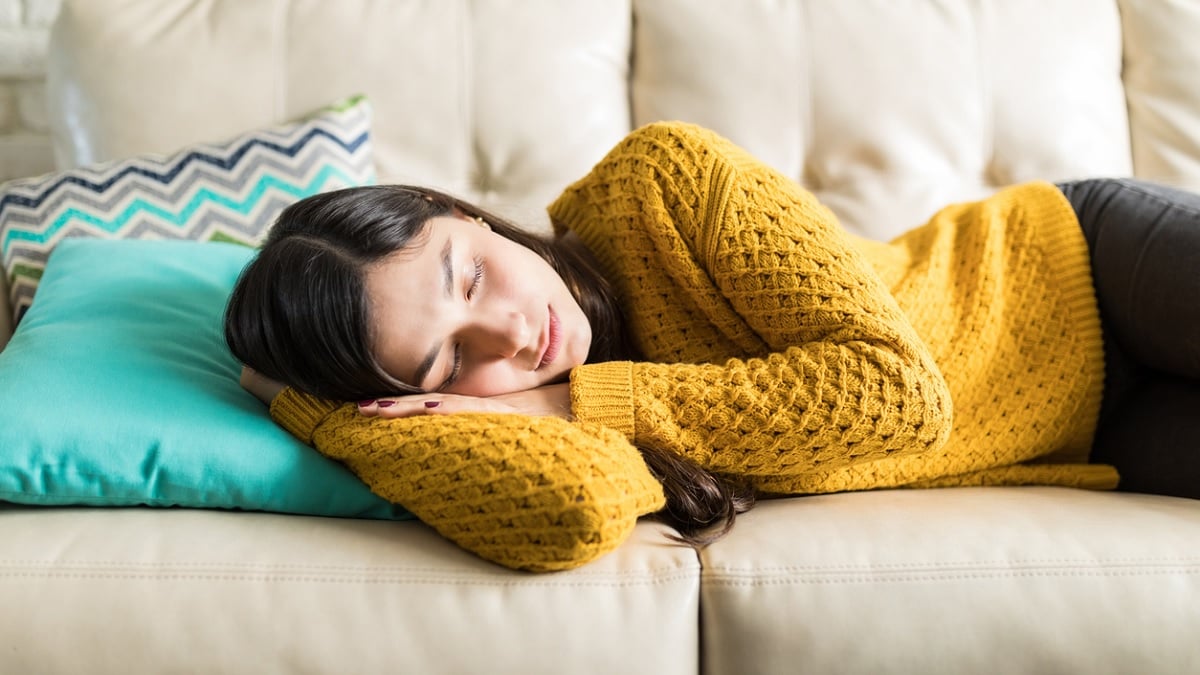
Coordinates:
x,y
477,280
472,290
454,370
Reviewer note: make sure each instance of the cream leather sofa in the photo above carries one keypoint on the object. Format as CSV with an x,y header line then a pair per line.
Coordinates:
x,y
885,109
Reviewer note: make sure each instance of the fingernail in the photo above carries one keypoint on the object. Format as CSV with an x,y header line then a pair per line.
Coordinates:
x,y
366,403
432,404
385,404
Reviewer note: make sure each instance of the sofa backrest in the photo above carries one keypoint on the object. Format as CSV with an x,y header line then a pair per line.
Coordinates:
x,y
886,110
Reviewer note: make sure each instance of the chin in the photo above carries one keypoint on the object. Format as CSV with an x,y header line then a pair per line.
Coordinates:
x,y
579,354
583,345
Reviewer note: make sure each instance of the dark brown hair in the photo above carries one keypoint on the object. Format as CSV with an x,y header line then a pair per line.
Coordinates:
x,y
299,315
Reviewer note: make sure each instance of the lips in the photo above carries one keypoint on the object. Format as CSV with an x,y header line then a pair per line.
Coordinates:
x,y
553,340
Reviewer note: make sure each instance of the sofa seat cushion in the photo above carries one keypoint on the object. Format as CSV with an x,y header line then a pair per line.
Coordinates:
x,y
961,580
156,591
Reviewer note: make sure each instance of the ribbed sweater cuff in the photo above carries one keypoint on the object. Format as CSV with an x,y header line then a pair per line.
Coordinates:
x,y
603,393
1067,249
569,214
300,413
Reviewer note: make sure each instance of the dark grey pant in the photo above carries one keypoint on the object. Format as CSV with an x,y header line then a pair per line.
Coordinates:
x,y
1144,241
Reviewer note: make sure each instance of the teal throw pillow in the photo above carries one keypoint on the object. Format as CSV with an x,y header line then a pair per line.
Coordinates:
x,y
118,389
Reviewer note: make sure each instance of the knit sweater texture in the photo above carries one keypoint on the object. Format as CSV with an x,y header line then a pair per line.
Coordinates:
x,y
777,348
782,349
533,493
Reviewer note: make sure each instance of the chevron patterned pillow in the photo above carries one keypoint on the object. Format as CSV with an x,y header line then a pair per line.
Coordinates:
x,y
229,191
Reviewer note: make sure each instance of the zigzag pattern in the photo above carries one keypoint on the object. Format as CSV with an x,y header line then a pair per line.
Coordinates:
x,y
88,204
228,192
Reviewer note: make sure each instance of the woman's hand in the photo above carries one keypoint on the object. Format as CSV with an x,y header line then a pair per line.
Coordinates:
x,y
550,400
263,388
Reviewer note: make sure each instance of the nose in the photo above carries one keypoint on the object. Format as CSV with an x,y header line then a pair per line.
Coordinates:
x,y
502,333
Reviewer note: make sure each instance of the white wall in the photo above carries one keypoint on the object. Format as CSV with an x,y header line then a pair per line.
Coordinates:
x,y
24,140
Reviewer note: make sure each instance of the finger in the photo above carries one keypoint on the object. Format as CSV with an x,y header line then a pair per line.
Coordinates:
x,y
393,408
436,407
410,406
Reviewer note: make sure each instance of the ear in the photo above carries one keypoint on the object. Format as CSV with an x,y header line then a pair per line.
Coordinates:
x,y
478,220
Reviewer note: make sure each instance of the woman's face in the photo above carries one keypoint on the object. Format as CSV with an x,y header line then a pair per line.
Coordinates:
x,y
467,311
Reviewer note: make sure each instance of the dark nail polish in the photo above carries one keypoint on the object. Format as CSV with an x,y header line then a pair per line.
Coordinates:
x,y
366,402
386,404
432,404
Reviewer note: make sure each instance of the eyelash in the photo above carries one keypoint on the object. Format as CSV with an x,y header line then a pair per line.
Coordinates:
x,y
453,371
475,282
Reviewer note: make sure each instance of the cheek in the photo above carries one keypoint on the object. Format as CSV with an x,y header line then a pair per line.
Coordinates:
x,y
580,336
490,380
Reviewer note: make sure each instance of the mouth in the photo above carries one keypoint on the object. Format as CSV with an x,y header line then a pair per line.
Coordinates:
x,y
553,340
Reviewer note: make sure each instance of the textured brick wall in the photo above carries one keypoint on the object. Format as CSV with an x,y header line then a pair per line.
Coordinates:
x,y
24,134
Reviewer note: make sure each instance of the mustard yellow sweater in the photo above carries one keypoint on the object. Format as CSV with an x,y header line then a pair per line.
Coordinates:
x,y
778,348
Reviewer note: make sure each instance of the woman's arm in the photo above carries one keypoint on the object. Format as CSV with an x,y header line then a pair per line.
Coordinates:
x,y
799,363
264,388
533,493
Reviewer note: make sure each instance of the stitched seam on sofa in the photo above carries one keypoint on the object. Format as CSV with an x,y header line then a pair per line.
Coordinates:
x,y
306,568
529,581
1037,562
709,581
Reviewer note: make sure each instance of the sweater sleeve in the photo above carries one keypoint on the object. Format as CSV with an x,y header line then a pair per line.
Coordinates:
x,y
533,493
797,362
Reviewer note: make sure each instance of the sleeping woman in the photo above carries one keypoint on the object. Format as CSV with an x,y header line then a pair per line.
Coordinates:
x,y
700,332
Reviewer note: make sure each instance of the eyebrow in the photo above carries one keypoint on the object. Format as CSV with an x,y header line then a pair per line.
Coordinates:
x,y
447,290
